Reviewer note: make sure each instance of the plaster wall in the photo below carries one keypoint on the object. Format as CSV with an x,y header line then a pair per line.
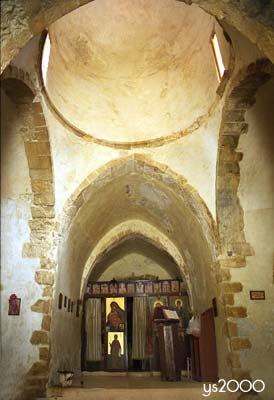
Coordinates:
x,y
193,156
17,273
138,86
257,199
134,264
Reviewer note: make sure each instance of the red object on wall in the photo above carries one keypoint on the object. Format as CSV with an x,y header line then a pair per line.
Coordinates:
x,y
14,305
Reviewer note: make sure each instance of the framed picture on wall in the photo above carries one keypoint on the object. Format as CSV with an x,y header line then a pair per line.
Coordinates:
x,y
165,286
122,289
95,288
14,305
148,287
113,288
139,287
89,288
175,288
154,301
130,288
104,288
157,287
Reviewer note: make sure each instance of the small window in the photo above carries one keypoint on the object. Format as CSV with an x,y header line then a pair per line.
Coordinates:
x,y
217,56
45,59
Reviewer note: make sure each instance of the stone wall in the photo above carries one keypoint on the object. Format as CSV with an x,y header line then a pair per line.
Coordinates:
x,y
256,193
26,124
236,221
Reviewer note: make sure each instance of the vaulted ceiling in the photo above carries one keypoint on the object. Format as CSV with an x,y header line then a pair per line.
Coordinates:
x,y
132,74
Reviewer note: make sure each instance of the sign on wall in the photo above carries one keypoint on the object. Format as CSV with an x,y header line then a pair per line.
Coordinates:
x,y
257,295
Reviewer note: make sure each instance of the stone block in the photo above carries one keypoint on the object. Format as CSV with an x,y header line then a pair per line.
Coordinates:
x,y
234,115
46,199
41,306
41,185
44,278
240,343
39,162
41,224
33,380
243,102
41,134
229,154
42,211
225,274
41,173
228,299
46,263
44,353
232,329
39,337
232,287
229,167
233,360
39,368
38,119
242,91
37,148
241,248
236,312
233,262
33,250
234,128
46,322
48,291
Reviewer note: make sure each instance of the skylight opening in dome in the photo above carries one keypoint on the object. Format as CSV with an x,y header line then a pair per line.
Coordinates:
x,y
217,57
45,59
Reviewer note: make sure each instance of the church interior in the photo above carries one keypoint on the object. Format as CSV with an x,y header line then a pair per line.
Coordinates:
x,y
137,199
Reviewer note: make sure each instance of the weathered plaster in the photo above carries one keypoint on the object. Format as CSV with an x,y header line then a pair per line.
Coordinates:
x,y
256,193
20,23
17,273
131,228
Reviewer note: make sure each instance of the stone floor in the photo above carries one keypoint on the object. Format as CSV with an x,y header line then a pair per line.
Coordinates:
x,y
133,388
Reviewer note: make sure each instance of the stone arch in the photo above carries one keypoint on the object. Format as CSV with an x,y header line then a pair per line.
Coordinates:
x,y
230,220
122,191
134,228
240,98
22,92
19,24
139,163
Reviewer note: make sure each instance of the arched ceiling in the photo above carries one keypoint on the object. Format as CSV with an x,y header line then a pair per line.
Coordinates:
x,y
132,71
19,24
132,190
132,256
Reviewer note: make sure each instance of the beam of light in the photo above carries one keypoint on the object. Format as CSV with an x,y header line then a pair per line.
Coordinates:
x,y
217,57
45,59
